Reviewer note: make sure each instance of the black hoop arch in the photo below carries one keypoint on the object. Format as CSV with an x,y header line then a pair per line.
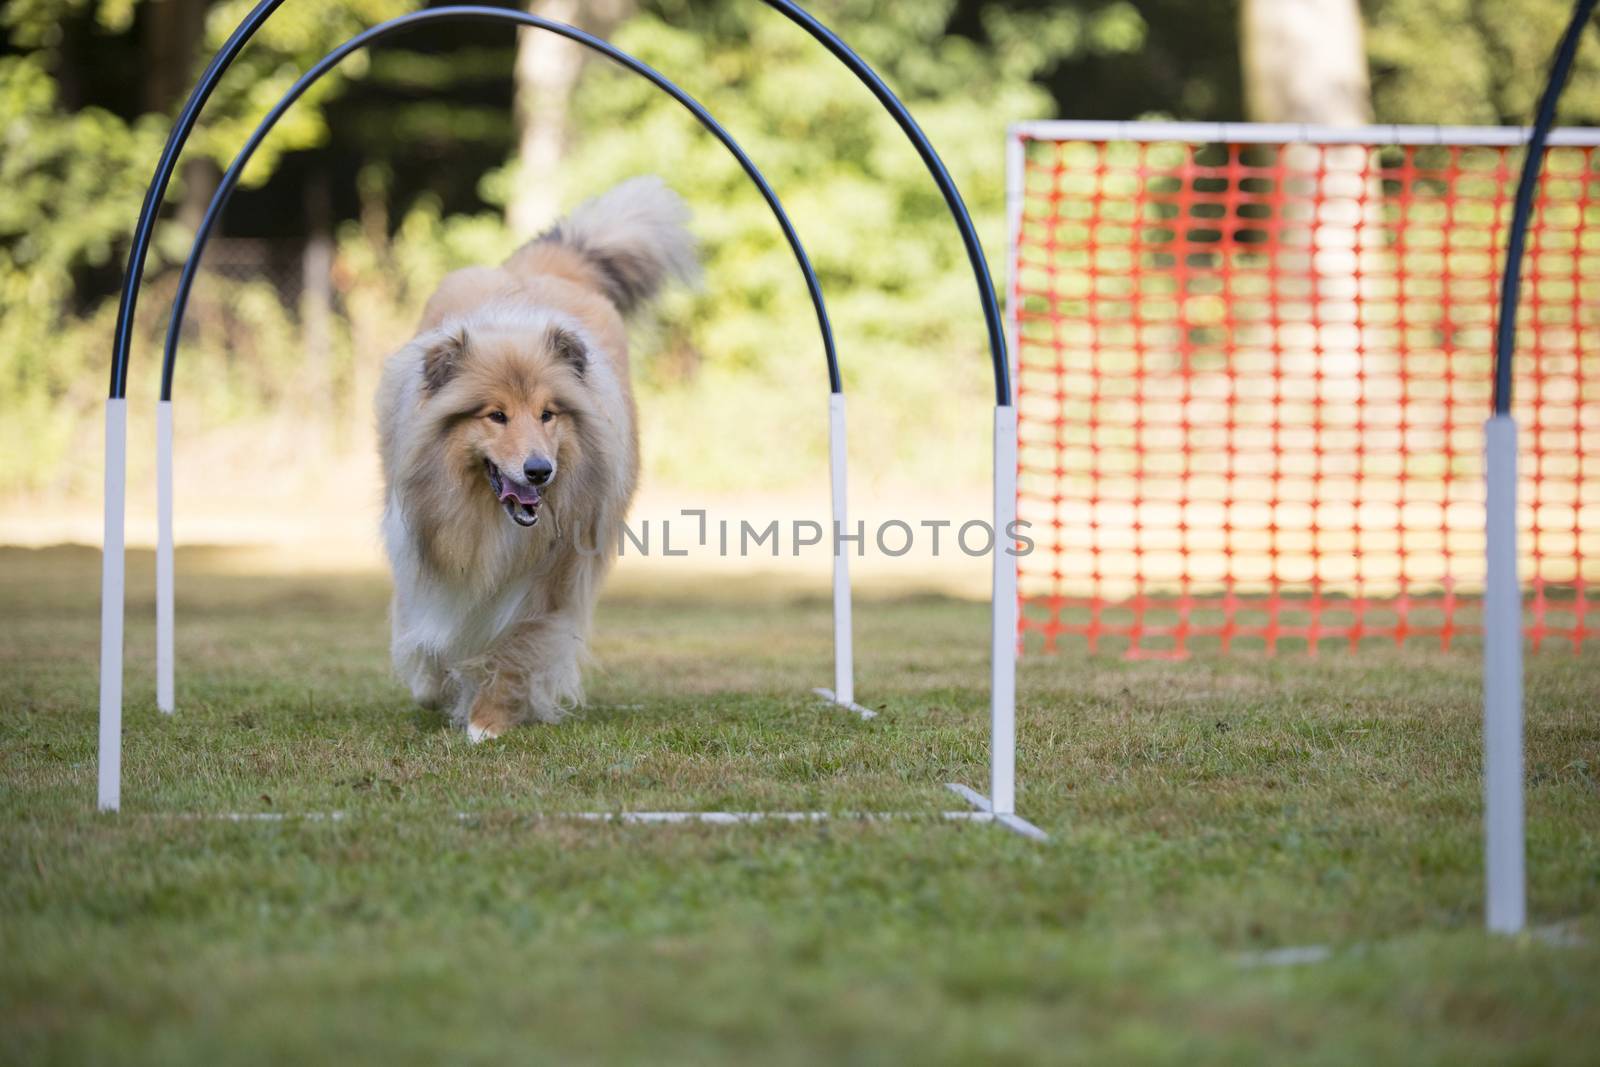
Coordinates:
x,y
1505,903
1522,210
184,125
998,808
472,13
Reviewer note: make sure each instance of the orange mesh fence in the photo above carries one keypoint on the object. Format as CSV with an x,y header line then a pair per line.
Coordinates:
x,y
1252,381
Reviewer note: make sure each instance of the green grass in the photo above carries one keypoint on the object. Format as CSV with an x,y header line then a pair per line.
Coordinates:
x,y
1199,812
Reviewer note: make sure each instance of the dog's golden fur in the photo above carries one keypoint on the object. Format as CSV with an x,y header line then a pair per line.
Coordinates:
x,y
516,369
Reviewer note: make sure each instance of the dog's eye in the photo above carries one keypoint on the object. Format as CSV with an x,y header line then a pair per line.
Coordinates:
x,y
546,415
498,416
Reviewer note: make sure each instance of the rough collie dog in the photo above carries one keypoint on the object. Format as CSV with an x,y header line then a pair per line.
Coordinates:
x,y
510,456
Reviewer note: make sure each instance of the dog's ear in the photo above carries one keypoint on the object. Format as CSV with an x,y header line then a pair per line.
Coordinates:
x,y
570,349
443,358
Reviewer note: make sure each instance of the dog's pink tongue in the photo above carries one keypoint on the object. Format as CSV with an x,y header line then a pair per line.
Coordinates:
x,y
528,495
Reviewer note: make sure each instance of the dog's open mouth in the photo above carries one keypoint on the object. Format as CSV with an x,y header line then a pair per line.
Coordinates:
x,y
520,499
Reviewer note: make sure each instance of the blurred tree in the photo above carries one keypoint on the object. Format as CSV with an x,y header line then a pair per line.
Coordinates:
x,y
547,75
1474,61
890,260
1183,63
1304,62
171,42
418,140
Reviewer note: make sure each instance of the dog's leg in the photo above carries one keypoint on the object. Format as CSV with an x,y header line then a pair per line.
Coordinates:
x,y
493,712
427,681
533,674
416,666
554,685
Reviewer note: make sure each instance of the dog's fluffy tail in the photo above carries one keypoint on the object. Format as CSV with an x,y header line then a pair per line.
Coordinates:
x,y
633,237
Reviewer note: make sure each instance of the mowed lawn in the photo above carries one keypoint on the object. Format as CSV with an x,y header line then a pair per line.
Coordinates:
x,y
1201,814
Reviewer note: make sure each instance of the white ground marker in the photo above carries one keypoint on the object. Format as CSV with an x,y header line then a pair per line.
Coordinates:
x,y
634,818
830,697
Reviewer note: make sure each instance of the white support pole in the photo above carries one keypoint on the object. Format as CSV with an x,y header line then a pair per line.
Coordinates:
x,y
1003,683
165,689
1295,133
1016,165
647,818
844,685
1506,890
112,588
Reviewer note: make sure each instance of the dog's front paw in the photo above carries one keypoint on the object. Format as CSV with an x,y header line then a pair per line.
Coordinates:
x,y
478,734
488,719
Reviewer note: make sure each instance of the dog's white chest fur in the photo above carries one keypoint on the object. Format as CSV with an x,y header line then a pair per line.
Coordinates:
x,y
454,620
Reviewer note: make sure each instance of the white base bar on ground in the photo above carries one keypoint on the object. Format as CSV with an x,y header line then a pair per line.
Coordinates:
x,y
832,698
978,801
1010,820
645,818
843,658
166,698
1286,956
1506,889
1294,133
112,590
1003,681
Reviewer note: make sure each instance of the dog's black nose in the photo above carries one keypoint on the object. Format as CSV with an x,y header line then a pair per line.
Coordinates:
x,y
538,470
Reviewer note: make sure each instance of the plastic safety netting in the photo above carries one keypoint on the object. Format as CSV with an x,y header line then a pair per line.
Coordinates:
x,y
1252,381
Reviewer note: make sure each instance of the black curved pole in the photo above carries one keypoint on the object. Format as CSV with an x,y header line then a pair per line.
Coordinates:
x,y
123,338
796,14
230,180
1511,281
952,196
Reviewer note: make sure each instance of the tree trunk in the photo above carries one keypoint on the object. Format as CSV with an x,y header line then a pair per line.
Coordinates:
x,y
548,68
316,299
172,38
1304,62
1332,336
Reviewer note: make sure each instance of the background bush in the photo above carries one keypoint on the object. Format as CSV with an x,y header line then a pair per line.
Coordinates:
x,y
415,141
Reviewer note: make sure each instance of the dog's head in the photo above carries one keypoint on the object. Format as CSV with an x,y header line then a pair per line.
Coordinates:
x,y
511,401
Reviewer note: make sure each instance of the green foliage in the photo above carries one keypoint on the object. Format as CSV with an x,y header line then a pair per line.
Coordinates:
x,y
294,37
740,362
71,186
70,182
880,235
1474,61
900,291
74,181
